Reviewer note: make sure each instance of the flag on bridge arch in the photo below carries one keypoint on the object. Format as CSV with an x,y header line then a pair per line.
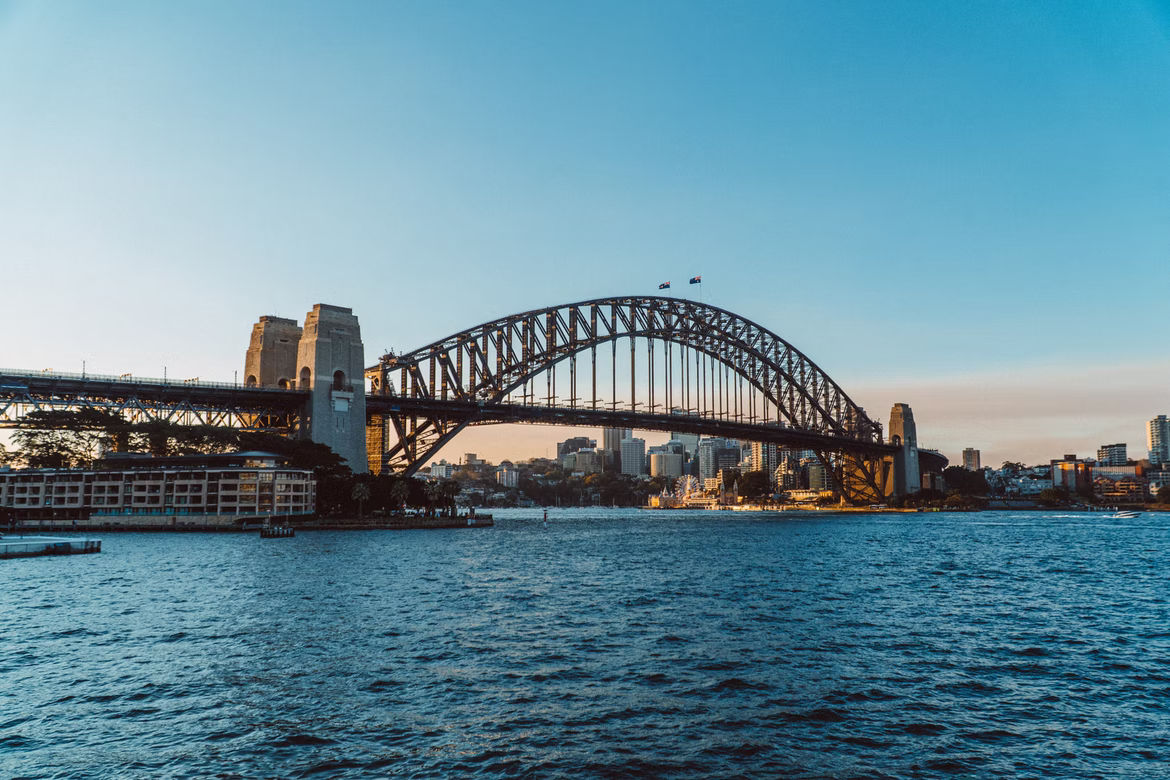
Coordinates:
x,y
664,286
696,280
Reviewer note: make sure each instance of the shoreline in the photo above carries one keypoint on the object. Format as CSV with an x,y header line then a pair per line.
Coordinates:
x,y
397,522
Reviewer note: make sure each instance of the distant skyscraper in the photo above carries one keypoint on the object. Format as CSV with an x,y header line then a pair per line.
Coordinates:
x,y
666,464
1158,440
689,440
1112,455
765,457
971,459
611,438
633,456
716,454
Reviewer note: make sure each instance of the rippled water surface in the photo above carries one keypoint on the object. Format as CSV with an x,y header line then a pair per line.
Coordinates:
x,y
610,644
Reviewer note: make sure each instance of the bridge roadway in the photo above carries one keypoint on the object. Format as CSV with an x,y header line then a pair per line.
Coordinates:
x,y
191,402
483,413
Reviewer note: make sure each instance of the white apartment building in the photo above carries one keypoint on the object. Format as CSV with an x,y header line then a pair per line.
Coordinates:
x,y
633,456
1158,440
141,490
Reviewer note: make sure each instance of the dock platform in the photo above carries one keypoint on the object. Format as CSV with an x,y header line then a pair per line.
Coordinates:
x,y
31,546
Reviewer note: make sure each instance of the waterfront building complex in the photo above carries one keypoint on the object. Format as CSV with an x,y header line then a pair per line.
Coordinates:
x,y
131,489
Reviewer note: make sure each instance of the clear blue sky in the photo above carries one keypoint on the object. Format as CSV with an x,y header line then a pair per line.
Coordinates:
x,y
963,206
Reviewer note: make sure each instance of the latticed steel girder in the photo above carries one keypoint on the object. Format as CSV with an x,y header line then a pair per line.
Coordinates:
x,y
480,367
280,412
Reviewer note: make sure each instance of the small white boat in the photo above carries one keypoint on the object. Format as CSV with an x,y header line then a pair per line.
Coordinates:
x,y
1125,514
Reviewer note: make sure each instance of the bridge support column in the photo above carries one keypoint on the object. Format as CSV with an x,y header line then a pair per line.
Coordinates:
x,y
376,443
272,353
907,476
331,363
863,480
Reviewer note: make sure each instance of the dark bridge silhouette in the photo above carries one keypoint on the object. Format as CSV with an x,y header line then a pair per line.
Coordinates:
x,y
692,368
651,363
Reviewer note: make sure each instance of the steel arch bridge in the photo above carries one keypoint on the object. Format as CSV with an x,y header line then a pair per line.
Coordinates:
x,y
692,368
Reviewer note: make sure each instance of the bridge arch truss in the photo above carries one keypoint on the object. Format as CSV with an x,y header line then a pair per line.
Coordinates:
x,y
690,367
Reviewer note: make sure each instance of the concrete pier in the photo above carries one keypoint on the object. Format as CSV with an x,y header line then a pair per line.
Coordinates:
x,y
31,546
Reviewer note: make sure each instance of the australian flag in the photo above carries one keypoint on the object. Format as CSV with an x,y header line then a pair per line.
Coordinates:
x,y
664,286
696,280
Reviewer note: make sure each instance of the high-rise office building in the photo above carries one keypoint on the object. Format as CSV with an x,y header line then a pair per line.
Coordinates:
x,y
689,440
666,464
716,454
611,438
1158,440
971,459
611,446
633,453
1112,455
765,457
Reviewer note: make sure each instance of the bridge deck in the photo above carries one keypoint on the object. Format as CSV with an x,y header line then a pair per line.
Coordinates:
x,y
482,413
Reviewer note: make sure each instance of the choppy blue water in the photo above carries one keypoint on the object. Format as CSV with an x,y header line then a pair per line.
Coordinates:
x,y
611,644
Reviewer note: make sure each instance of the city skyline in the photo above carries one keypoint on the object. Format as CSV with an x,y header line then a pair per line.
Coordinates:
x,y
930,225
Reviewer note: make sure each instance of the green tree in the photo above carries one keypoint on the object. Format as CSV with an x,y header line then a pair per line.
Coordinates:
x,y
1163,494
361,494
65,439
955,501
755,484
655,486
434,496
399,493
1054,496
965,481
448,490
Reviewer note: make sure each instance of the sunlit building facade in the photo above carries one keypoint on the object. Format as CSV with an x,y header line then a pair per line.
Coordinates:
x,y
1158,440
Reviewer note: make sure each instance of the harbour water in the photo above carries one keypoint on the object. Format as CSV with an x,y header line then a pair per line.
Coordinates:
x,y
612,643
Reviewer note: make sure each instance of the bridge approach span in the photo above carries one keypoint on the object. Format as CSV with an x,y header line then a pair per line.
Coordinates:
x,y
142,399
